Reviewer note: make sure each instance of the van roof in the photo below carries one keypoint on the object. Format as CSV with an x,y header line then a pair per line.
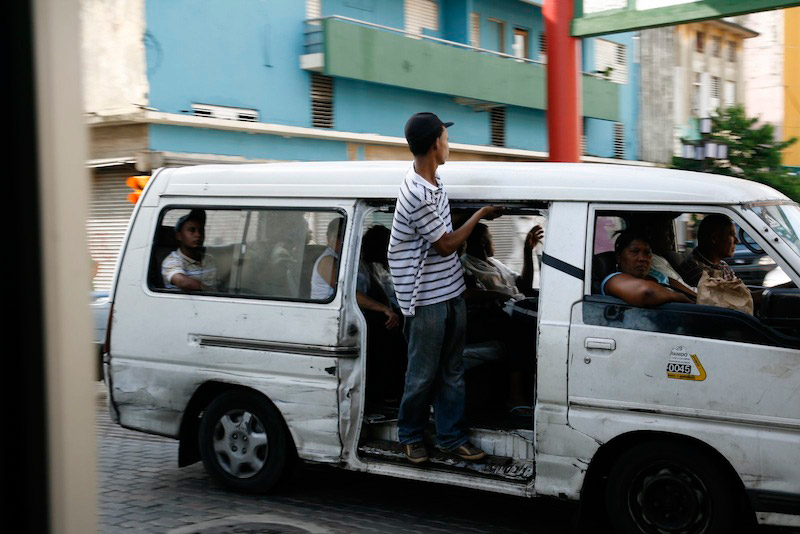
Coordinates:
x,y
483,181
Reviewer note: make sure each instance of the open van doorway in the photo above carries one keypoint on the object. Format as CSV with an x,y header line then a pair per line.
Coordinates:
x,y
500,351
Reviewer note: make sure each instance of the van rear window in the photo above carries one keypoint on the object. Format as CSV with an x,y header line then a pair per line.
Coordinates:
x,y
284,254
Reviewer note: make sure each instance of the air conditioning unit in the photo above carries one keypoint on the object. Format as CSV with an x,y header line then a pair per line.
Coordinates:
x,y
224,112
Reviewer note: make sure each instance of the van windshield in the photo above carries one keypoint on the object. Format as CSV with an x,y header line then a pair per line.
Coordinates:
x,y
784,219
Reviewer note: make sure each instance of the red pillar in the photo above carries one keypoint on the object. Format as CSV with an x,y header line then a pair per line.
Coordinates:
x,y
563,83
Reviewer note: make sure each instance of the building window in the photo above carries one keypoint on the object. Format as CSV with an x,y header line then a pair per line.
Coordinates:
x,y
497,35
497,120
716,46
611,60
732,51
520,47
716,90
696,93
475,30
730,94
421,15
321,101
619,140
700,42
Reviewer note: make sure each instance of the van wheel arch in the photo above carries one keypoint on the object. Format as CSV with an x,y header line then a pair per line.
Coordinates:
x,y
188,449
592,494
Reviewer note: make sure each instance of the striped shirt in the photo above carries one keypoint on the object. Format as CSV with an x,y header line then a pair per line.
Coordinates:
x,y
420,275
204,270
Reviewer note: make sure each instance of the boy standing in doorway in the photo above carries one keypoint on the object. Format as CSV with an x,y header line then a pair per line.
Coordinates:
x,y
429,282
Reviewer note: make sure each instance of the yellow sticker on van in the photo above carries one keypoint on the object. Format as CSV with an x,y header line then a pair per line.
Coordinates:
x,y
685,366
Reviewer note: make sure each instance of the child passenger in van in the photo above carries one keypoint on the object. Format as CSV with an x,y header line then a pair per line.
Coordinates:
x,y
189,267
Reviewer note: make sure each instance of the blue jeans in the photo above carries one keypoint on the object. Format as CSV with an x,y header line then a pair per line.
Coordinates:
x,y
435,374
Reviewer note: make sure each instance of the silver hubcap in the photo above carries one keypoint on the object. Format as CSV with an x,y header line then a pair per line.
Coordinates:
x,y
240,443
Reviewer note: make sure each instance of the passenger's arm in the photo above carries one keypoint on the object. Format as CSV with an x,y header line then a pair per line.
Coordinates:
x,y
689,292
327,270
187,283
525,282
451,241
365,302
640,292
479,296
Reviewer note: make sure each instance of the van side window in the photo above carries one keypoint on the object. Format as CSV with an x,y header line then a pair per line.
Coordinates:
x,y
252,253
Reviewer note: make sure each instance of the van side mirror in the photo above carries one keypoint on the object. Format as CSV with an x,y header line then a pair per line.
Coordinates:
x,y
748,241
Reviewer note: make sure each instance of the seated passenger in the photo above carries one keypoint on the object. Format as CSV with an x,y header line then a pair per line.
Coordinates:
x,y
491,275
386,346
489,285
323,275
662,240
374,265
633,282
716,240
189,268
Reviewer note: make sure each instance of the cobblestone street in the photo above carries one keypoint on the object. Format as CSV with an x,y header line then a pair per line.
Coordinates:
x,y
142,490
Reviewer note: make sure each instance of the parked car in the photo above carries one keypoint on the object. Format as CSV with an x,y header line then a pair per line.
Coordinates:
x,y
100,305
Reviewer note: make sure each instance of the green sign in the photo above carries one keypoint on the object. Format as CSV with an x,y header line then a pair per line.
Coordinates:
x,y
598,17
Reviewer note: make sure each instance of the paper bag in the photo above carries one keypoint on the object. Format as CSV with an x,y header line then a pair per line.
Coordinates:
x,y
716,291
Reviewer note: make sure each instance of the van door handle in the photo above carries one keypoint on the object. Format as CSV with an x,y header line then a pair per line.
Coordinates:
x,y
600,343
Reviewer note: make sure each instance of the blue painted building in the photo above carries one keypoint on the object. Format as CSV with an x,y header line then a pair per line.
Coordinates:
x,y
190,81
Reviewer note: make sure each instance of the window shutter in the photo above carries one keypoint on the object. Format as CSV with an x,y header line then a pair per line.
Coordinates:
x,y
543,47
730,94
475,30
421,14
497,118
321,101
313,9
109,213
614,56
619,140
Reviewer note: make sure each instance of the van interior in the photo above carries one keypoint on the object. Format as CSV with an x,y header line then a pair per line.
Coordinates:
x,y
499,355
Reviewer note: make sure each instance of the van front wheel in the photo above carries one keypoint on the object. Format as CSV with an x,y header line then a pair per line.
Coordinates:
x,y
243,443
659,487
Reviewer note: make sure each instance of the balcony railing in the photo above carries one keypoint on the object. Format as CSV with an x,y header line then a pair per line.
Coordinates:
x,y
350,48
314,40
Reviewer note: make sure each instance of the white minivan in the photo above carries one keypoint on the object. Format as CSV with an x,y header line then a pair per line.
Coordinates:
x,y
679,418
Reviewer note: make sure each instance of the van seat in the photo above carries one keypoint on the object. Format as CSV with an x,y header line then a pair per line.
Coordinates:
x,y
165,243
223,256
310,255
476,354
676,258
603,264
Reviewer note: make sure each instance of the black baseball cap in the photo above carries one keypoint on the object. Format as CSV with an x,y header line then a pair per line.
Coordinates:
x,y
422,125
194,215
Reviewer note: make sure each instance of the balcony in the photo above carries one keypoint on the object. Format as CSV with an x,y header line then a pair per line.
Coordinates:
x,y
347,48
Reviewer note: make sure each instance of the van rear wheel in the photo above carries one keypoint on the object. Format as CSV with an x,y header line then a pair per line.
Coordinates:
x,y
243,442
665,487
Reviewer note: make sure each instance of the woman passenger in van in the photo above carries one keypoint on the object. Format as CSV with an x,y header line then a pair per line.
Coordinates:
x,y
634,281
323,277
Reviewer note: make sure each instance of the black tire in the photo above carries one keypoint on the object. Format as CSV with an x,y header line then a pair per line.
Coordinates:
x,y
243,442
670,487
